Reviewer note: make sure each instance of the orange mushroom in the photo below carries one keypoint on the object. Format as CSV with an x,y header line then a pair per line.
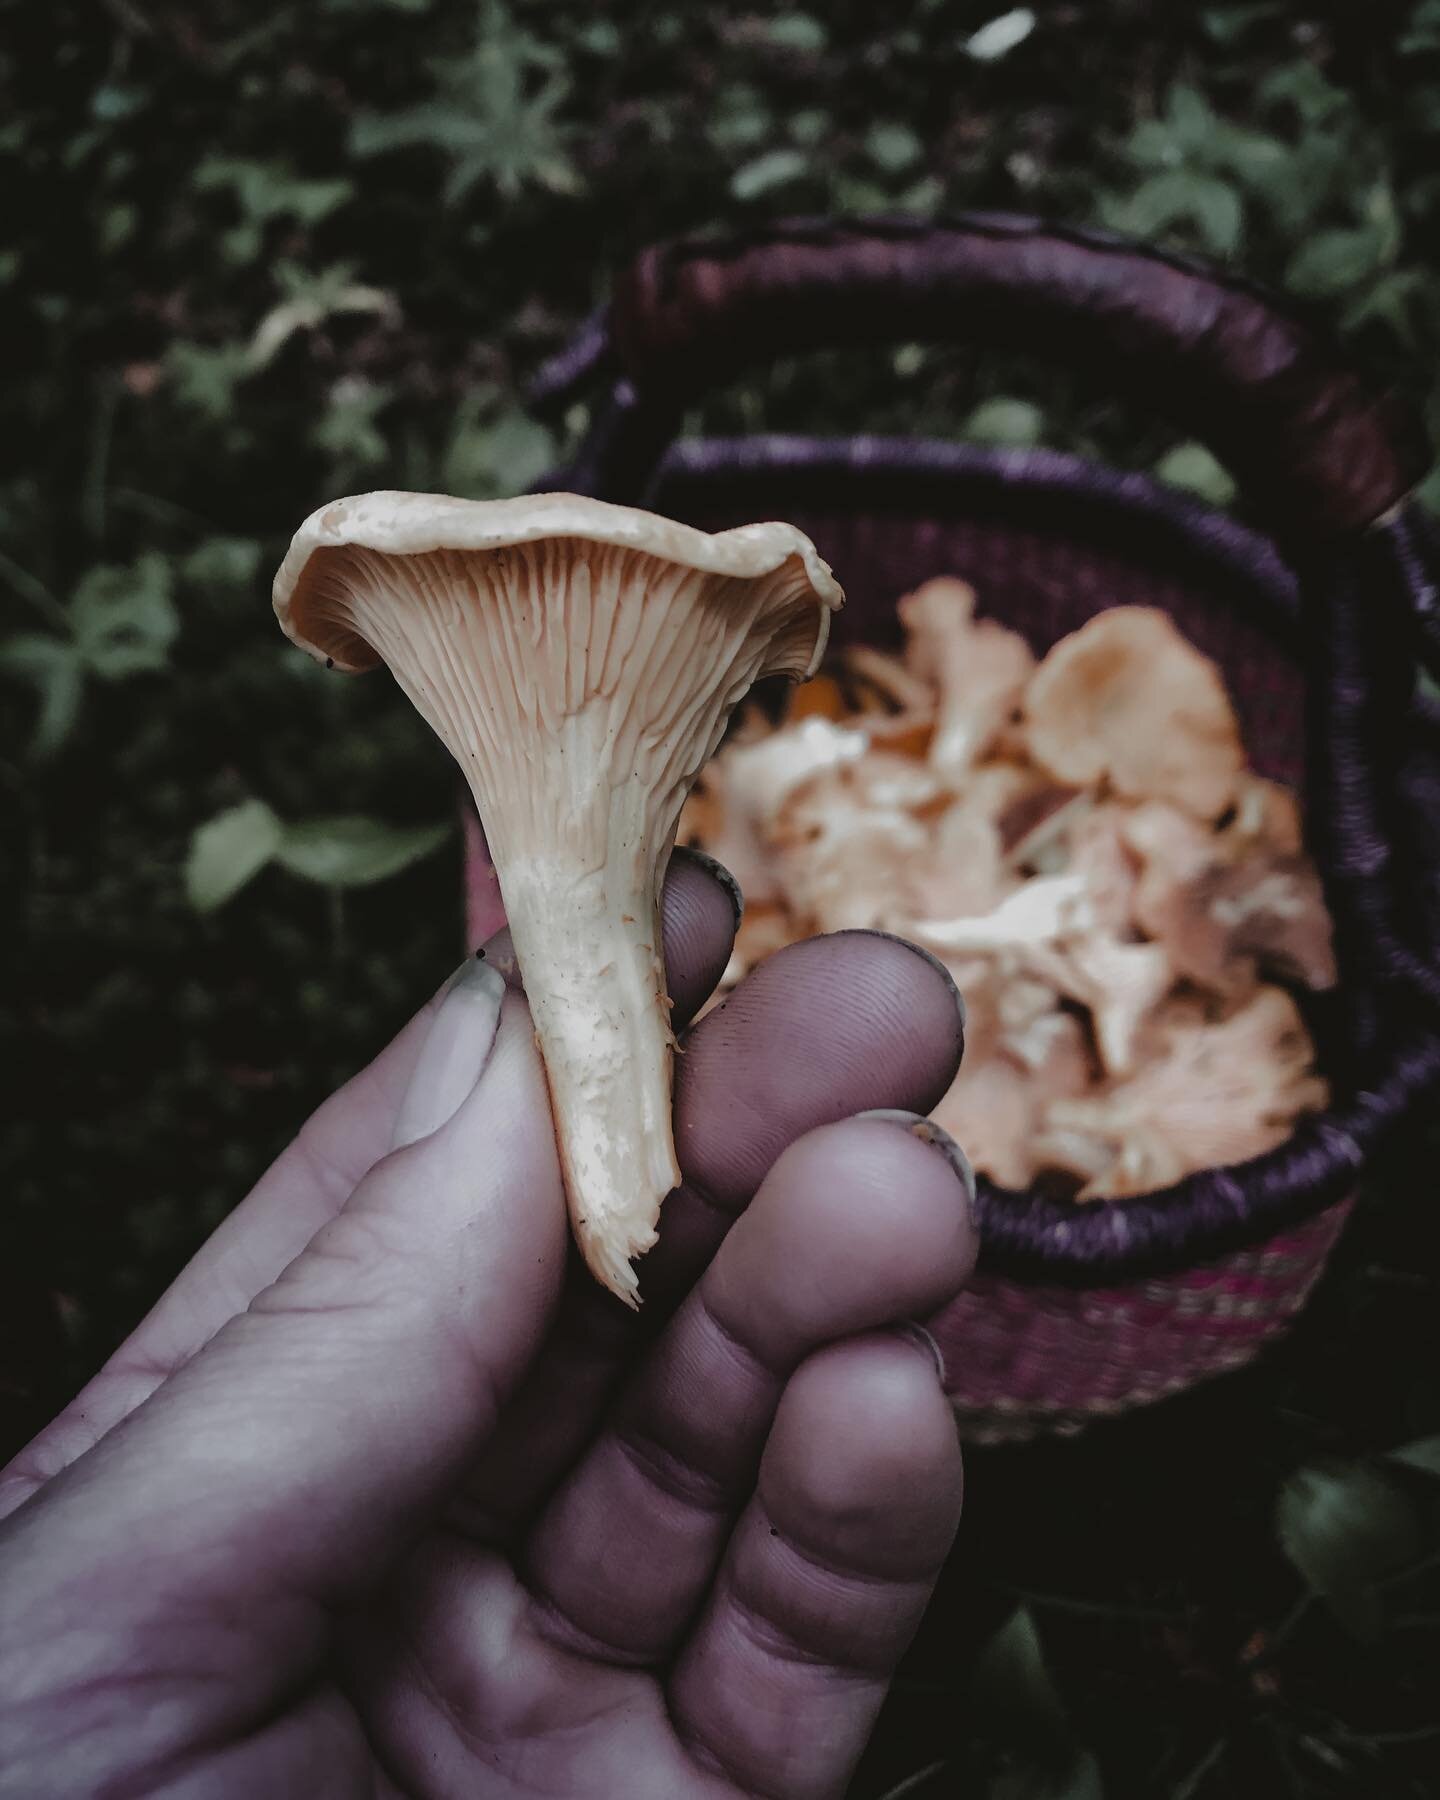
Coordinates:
x,y
1210,1094
1127,701
979,669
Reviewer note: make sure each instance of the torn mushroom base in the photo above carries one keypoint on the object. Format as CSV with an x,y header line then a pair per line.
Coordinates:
x,y
1081,843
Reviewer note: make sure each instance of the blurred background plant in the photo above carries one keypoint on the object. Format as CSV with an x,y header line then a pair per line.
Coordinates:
x,y
253,260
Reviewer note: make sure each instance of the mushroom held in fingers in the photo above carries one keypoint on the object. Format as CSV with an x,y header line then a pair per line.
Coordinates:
x,y
580,661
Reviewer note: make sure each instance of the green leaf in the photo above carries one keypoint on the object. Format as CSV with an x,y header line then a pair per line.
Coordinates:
x,y
347,429
1423,33
1008,423
110,102
1012,1681
354,852
53,668
310,298
797,31
1393,300
124,619
1253,157
740,119
808,125
1152,145
1079,1779
487,114
1299,85
1335,261
892,147
601,37
773,169
205,379
494,452
1423,1454
1001,35
1226,25
228,851
1344,1527
1192,466
1183,196
271,190
1190,117
1012,1690
222,562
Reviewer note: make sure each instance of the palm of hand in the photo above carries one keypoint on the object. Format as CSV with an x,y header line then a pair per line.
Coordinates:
x,y
415,1521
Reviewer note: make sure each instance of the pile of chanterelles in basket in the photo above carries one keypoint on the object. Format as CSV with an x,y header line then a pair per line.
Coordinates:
x,y
1080,841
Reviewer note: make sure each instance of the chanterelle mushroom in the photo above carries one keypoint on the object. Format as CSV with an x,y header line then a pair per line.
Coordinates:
x,y
1213,1093
579,660
1128,699
980,669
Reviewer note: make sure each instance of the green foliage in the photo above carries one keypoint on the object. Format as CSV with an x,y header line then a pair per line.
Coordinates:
x,y
1013,1692
1346,1528
491,114
228,851
264,192
120,622
351,852
1006,422
770,170
1192,466
494,448
1423,1454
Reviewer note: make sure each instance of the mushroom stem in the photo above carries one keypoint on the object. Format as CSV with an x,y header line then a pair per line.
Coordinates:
x,y
596,986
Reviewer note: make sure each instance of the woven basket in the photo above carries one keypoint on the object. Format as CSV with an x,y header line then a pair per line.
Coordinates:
x,y
1317,625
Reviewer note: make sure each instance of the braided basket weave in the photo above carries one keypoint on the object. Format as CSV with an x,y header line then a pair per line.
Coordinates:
x,y
1317,624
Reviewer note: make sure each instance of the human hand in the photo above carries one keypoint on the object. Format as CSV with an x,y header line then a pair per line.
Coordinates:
x,y
387,1497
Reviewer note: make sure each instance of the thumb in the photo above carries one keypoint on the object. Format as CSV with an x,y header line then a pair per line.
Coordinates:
x,y
313,1435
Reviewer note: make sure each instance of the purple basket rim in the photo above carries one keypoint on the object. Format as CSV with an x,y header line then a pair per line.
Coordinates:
x,y
1238,547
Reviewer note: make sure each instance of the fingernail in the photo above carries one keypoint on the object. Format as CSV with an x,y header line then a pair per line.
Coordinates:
x,y
928,956
455,1052
918,1335
720,873
930,1133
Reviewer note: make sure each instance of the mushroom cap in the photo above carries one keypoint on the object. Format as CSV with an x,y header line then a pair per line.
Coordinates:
x,y
395,523
1129,700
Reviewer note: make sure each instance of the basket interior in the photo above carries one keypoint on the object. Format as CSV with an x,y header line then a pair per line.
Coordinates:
x,y
1046,545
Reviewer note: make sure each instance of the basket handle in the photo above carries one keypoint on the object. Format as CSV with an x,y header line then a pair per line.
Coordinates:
x,y
1316,449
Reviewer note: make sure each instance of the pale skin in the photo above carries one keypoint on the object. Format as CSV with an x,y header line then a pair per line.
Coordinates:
x,y
387,1498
